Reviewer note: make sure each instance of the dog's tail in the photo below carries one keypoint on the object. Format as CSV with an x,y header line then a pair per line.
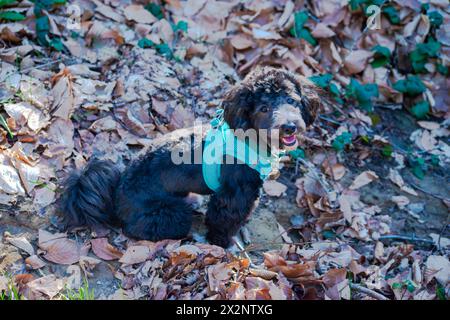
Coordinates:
x,y
88,195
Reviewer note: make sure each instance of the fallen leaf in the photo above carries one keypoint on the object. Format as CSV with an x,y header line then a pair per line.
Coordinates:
x,y
139,14
104,250
357,61
363,179
437,267
135,254
274,188
21,243
34,262
45,287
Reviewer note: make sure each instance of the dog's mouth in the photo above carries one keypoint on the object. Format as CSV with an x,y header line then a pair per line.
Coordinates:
x,y
289,140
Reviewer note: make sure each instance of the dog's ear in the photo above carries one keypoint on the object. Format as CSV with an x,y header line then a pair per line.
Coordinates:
x,y
237,106
311,98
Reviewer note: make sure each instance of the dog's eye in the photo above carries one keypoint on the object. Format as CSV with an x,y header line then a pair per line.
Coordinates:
x,y
290,101
264,109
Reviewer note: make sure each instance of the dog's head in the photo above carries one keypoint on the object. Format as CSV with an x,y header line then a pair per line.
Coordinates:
x,y
275,100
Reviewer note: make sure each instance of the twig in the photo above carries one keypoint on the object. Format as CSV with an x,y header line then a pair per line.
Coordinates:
x,y
238,244
367,291
429,193
442,232
406,238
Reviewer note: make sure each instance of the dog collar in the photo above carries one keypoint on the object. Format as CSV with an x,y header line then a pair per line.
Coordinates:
x,y
221,141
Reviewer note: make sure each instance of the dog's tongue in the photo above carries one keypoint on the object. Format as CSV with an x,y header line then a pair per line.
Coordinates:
x,y
289,140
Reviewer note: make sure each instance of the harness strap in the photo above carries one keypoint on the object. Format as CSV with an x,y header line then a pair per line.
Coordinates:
x,y
221,141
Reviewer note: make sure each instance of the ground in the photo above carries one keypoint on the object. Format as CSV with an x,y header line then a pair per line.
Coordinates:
x,y
360,212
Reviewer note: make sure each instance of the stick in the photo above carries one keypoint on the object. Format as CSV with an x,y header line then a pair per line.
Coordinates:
x,y
429,193
238,244
406,238
367,291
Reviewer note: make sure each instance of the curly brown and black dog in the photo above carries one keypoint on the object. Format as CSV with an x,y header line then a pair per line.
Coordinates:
x,y
147,199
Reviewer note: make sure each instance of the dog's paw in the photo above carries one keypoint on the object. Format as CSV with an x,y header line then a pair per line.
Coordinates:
x,y
245,235
197,237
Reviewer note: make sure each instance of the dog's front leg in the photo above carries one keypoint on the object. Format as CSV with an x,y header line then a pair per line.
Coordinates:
x,y
227,212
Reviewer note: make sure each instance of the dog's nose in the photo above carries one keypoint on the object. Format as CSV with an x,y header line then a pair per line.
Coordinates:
x,y
288,128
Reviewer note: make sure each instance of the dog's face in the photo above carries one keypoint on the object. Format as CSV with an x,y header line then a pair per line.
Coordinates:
x,y
274,100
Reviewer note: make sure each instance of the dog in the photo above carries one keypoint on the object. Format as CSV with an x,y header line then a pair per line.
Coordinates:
x,y
147,199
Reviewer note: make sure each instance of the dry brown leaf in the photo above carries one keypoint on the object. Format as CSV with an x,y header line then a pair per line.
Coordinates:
x,y
321,30
45,287
135,254
59,249
363,179
63,95
139,14
274,188
22,243
242,41
357,60
34,262
104,250
437,267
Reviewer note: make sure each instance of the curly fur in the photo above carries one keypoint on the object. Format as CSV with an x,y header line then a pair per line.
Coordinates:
x,y
147,199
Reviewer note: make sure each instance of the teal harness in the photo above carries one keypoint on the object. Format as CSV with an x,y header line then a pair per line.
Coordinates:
x,y
221,141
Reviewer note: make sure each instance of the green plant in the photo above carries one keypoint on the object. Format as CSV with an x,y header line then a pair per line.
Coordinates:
x,y
162,48
422,53
83,293
324,81
5,125
363,93
420,110
11,16
12,293
381,56
392,14
411,86
43,24
155,10
299,31
341,141
436,18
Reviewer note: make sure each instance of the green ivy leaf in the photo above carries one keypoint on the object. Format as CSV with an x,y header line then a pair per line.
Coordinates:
x,y
297,153
420,110
387,150
56,44
362,93
392,14
300,18
418,167
181,25
397,285
145,43
381,56
329,235
164,50
436,18
442,69
411,86
440,292
11,16
299,31
155,10
322,81
305,34
341,141
6,2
